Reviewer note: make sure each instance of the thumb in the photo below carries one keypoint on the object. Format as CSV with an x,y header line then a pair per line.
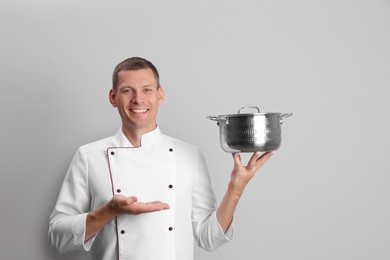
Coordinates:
x,y
131,200
237,159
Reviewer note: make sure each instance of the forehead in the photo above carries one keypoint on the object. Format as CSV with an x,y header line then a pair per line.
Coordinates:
x,y
136,78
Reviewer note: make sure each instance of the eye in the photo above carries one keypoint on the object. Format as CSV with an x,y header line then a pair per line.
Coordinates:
x,y
125,91
148,90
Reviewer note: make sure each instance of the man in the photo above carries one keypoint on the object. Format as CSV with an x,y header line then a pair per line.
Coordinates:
x,y
141,194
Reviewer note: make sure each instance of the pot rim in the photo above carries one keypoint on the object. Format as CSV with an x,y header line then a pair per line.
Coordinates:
x,y
250,114
258,114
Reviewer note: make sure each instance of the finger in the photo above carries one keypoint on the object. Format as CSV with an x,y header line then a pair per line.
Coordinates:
x,y
253,160
152,207
158,204
237,159
163,206
263,158
130,200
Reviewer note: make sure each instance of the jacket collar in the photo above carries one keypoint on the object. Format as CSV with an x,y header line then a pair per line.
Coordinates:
x,y
149,139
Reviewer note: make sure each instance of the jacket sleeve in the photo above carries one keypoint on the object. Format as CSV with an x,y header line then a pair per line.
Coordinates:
x,y
68,219
207,231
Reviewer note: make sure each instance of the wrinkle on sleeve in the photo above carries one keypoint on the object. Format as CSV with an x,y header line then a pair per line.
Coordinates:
x,y
207,231
68,220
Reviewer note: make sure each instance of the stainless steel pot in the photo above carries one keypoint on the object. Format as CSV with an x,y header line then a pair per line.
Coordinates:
x,y
250,132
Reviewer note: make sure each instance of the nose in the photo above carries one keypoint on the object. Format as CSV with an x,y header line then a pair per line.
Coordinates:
x,y
137,97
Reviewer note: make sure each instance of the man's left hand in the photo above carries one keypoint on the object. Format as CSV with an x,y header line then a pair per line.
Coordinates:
x,y
241,174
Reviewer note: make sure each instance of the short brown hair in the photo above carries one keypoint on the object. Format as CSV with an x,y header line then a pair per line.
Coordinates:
x,y
134,63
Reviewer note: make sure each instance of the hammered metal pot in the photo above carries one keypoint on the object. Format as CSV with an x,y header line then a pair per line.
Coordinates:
x,y
250,132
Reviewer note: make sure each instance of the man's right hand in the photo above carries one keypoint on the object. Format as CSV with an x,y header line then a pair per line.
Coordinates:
x,y
119,204
130,205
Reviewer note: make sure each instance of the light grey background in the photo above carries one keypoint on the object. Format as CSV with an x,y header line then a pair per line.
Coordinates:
x,y
325,193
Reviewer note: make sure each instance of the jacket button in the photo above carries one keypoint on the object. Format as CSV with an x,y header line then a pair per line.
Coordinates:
x,y
170,149
112,153
122,232
170,186
118,190
170,228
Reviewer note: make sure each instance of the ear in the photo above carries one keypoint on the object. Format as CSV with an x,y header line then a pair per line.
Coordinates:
x,y
161,95
112,98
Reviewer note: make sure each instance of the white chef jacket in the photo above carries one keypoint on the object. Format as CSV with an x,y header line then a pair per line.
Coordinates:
x,y
162,168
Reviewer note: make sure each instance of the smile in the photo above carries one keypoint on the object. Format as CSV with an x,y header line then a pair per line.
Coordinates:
x,y
138,110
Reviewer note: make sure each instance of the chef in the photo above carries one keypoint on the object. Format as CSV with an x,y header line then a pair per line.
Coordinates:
x,y
141,194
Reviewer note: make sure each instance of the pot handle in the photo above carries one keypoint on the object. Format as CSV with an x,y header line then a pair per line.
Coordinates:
x,y
239,111
213,118
283,116
218,119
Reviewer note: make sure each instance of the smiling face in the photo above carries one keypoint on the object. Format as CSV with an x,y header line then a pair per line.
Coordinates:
x,y
137,96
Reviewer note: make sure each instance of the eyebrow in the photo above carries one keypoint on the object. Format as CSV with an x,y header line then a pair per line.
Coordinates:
x,y
128,86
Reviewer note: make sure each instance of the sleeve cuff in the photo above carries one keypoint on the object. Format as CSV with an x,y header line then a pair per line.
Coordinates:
x,y
228,235
78,230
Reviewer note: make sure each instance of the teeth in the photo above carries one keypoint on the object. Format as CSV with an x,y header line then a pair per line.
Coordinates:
x,y
139,110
